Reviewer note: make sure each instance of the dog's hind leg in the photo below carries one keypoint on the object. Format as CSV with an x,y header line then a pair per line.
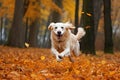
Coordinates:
x,y
77,49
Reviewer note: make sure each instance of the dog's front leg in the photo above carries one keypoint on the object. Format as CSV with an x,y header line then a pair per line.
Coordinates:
x,y
66,52
56,53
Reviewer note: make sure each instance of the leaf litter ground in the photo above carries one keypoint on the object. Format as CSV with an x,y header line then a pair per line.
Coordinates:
x,y
40,64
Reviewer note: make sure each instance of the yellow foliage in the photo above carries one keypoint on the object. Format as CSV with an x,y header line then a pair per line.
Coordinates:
x,y
7,8
33,11
69,7
41,9
51,6
44,13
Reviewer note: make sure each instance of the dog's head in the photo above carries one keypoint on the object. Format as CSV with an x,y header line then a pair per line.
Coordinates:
x,y
60,28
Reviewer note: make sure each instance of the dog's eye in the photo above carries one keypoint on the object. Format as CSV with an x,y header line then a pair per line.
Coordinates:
x,y
62,27
55,27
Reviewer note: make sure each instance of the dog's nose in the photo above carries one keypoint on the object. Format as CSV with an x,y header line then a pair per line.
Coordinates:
x,y
59,32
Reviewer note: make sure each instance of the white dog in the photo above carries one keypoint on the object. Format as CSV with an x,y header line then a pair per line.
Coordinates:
x,y
63,41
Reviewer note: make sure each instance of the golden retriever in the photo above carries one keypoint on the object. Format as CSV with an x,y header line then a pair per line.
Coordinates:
x,y
63,41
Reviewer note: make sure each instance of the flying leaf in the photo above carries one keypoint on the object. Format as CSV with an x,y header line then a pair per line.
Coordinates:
x,y
87,27
88,14
27,45
82,12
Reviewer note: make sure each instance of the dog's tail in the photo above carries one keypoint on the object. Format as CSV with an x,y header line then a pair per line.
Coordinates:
x,y
81,32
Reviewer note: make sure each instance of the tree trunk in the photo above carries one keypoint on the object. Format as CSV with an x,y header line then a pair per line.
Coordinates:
x,y
108,48
34,33
97,15
1,27
88,42
76,16
27,30
26,4
17,32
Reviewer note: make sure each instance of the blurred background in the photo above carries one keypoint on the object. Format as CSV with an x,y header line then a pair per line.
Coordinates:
x,y
24,23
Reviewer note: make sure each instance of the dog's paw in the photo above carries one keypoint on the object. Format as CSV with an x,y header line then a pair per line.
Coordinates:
x,y
59,59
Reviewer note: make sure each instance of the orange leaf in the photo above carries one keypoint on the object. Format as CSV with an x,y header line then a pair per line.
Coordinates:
x,y
87,27
112,72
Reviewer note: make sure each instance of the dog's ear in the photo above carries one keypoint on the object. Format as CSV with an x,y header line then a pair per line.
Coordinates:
x,y
50,27
72,27
69,26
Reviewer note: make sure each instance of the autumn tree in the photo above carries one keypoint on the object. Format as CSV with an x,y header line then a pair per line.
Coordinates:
x,y
17,31
108,45
88,42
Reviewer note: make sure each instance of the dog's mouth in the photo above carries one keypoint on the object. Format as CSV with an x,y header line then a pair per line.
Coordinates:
x,y
59,36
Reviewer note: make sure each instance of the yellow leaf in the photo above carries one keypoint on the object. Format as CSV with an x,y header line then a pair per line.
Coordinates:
x,y
88,14
42,57
82,12
27,45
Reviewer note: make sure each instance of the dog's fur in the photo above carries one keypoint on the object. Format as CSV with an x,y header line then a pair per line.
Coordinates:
x,y
63,40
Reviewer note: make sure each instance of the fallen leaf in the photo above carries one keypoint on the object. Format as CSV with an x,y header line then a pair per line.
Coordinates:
x,y
103,62
42,57
112,72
